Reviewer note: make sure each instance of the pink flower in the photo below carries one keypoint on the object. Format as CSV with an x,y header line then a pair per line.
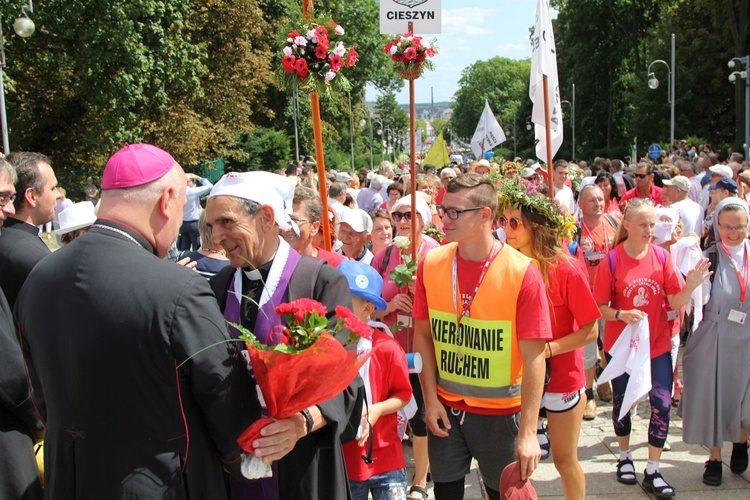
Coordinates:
x,y
330,75
338,30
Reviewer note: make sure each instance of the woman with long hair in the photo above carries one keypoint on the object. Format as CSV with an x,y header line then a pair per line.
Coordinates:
x,y
632,284
716,364
536,226
608,185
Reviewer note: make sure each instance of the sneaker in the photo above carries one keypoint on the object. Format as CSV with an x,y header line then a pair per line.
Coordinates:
x,y
738,462
667,446
589,412
712,475
543,437
604,391
663,491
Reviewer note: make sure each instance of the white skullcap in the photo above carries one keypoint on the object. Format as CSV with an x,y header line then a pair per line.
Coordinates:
x,y
265,188
422,208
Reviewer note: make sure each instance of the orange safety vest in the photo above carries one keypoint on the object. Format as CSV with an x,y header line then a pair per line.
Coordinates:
x,y
478,363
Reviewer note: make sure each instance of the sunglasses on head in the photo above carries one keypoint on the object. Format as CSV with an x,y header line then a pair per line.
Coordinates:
x,y
514,222
397,216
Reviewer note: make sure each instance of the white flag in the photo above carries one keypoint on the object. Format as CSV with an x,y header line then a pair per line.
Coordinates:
x,y
488,134
544,62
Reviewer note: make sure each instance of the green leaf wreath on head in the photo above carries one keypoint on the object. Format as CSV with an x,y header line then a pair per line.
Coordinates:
x,y
521,194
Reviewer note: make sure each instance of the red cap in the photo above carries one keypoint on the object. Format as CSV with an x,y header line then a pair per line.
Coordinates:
x,y
513,487
136,165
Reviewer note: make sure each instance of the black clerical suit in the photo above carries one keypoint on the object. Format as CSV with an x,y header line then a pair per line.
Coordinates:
x,y
20,250
315,468
110,328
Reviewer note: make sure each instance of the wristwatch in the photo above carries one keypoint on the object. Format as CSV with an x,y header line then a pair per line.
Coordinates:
x,y
617,314
308,420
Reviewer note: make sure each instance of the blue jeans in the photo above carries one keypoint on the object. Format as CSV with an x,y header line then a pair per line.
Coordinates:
x,y
385,486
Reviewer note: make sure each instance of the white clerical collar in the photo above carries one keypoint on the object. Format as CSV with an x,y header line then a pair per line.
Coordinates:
x,y
274,274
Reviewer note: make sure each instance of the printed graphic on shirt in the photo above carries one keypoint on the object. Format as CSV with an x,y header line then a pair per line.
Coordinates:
x,y
642,290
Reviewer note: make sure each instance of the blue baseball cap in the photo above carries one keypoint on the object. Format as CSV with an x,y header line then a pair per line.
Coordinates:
x,y
727,184
364,281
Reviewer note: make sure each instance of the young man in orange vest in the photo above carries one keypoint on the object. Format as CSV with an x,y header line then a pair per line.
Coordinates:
x,y
477,336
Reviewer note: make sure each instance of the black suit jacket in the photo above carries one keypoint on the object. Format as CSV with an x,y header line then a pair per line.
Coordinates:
x,y
20,250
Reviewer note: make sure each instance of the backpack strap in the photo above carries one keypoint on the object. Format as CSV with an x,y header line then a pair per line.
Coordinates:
x,y
713,258
612,221
304,277
661,254
386,259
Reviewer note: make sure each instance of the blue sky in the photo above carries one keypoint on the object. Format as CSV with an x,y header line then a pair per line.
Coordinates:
x,y
473,30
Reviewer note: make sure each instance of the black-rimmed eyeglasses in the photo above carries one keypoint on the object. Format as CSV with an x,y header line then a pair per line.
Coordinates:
x,y
454,213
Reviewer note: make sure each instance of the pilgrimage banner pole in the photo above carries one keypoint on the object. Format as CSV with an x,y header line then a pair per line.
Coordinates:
x,y
413,162
548,140
307,11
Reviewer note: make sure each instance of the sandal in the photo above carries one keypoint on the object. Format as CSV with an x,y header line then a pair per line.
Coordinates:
x,y
626,477
665,491
420,491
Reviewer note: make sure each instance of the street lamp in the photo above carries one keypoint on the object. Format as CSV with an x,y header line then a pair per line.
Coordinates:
x,y
369,119
745,62
24,27
573,118
653,83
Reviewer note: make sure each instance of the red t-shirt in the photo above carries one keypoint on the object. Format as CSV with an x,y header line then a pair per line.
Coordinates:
x,y
639,284
571,305
332,259
389,378
594,244
655,195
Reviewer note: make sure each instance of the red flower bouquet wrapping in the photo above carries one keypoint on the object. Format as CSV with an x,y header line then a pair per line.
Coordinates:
x,y
306,367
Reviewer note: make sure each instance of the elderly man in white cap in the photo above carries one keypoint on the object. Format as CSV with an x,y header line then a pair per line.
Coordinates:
x,y
245,212
677,191
354,233
118,338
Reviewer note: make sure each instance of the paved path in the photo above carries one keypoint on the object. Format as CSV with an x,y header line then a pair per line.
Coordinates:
x,y
682,466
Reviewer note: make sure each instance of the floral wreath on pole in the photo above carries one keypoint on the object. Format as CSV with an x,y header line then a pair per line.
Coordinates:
x,y
411,52
313,56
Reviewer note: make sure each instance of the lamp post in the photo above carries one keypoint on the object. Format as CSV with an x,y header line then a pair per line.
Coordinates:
x,y
351,128
572,104
745,62
653,83
24,27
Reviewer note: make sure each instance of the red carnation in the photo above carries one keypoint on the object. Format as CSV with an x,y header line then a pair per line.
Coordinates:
x,y
421,56
351,57
416,42
300,66
321,51
388,47
397,57
287,62
321,32
410,54
430,52
336,62
353,323
293,34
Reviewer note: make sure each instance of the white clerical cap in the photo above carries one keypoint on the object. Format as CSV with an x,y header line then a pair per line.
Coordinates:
x,y
261,187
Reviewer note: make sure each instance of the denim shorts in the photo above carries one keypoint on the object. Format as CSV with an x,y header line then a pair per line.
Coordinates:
x,y
385,486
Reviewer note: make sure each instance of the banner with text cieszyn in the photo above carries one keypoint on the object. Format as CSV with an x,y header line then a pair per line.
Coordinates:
x,y
395,16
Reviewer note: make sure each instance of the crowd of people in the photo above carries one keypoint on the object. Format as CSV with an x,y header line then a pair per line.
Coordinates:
x,y
120,349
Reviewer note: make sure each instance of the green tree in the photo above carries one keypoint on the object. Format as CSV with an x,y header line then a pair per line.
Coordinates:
x,y
264,148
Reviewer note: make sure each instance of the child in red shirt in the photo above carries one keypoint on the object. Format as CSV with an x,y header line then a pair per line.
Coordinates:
x,y
375,462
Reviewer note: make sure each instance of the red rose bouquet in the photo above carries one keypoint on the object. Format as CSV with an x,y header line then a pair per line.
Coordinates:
x,y
411,53
312,57
298,371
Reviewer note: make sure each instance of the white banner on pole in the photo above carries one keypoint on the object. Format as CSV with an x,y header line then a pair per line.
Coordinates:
x,y
396,14
488,133
544,62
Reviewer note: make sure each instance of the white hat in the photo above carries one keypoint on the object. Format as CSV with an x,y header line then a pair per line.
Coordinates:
x,y
422,207
722,170
528,172
679,181
265,188
343,177
359,220
77,216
